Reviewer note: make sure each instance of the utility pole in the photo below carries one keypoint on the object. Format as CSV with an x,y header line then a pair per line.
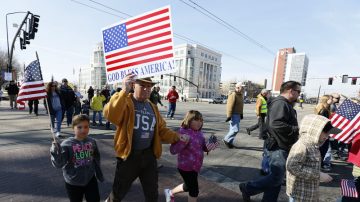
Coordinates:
x,y
317,102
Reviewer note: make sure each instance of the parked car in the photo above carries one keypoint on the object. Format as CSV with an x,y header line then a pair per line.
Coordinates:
x,y
247,101
216,100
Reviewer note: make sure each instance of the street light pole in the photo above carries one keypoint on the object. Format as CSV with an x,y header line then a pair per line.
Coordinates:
x,y
9,69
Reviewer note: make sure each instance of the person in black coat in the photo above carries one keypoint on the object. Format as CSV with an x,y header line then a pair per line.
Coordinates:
x,y
13,91
69,97
33,104
90,93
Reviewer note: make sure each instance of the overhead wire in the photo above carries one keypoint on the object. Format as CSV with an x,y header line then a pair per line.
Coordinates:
x,y
227,25
182,37
97,9
108,7
223,53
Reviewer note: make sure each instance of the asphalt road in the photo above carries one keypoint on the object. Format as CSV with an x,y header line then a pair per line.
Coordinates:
x,y
25,140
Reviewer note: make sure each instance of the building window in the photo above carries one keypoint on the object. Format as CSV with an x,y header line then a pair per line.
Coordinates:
x,y
202,54
205,55
189,52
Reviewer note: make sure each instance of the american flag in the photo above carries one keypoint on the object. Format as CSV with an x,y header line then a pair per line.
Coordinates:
x,y
139,40
33,85
347,118
348,188
212,143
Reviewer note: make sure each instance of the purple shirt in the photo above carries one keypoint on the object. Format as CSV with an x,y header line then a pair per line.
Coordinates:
x,y
191,154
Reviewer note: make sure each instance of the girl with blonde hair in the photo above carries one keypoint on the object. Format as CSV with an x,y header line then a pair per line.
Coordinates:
x,y
323,109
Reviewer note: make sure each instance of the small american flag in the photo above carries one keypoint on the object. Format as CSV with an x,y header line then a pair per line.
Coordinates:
x,y
139,40
33,85
212,143
347,118
348,188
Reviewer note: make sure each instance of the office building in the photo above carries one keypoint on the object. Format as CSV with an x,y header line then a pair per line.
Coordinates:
x,y
289,65
95,74
201,69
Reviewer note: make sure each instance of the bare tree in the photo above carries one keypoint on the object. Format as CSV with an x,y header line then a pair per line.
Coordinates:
x,y
3,65
228,86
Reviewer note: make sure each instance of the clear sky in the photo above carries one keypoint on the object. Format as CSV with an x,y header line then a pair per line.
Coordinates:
x,y
326,30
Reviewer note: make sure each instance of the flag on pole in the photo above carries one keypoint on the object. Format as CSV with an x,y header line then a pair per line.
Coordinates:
x,y
33,84
137,41
348,188
346,118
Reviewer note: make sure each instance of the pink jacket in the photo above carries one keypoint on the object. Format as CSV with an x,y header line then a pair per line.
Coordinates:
x,y
191,154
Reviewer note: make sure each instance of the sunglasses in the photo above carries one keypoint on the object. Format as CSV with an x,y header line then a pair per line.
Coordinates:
x,y
298,91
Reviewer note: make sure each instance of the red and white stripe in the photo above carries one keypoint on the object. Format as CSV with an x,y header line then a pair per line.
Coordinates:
x,y
349,128
149,40
347,190
212,146
31,90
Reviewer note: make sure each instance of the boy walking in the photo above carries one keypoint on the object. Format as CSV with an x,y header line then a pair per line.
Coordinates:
x,y
303,164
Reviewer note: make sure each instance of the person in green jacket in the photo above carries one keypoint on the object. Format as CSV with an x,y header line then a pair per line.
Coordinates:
x,y
97,107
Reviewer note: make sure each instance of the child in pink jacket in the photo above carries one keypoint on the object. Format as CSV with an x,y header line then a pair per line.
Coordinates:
x,y
190,156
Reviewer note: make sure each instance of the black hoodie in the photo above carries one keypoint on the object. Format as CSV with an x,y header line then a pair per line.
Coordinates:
x,y
282,122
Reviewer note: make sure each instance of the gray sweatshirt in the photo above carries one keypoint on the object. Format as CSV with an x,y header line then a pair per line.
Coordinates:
x,y
79,160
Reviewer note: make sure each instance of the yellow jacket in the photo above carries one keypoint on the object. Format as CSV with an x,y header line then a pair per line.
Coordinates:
x,y
259,104
120,112
97,102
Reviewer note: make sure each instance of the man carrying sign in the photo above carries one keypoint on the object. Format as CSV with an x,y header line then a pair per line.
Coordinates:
x,y
140,131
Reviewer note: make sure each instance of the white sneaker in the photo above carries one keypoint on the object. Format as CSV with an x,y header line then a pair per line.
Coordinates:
x,y
58,134
168,196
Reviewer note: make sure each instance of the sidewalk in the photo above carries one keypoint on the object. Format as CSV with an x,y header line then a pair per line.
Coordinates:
x,y
26,173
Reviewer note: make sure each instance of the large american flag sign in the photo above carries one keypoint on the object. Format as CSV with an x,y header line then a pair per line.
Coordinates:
x,y
33,85
347,118
348,188
138,41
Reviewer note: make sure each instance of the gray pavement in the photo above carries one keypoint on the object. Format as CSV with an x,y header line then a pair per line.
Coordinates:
x,y
26,173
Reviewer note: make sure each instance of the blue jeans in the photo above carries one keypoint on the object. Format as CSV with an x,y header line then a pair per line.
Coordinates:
x,y
100,116
291,199
325,153
234,128
270,184
171,110
58,116
327,159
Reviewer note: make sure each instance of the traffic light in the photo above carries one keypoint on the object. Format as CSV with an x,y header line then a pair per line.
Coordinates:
x,y
330,81
161,76
26,38
353,81
345,78
34,24
22,45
